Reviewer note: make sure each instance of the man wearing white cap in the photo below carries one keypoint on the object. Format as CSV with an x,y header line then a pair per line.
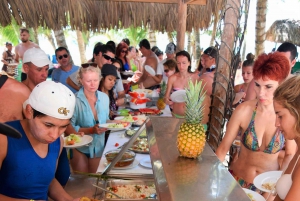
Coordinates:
x,y
36,65
28,164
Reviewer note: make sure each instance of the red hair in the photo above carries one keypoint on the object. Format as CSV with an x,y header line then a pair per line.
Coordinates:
x,y
120,47
274,66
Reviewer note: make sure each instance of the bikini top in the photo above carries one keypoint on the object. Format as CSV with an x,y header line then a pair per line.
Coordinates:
x,y
249,139
284,183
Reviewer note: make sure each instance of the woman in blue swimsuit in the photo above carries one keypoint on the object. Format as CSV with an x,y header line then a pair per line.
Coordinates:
x,y
261,141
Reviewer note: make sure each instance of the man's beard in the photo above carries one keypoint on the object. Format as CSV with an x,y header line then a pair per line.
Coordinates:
x,y
24,41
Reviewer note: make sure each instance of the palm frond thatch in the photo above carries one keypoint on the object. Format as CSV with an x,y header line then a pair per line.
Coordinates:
x,y
95,15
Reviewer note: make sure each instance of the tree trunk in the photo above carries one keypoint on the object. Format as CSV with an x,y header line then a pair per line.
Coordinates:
x,y
81,46
221,80
214,31
151,36
197,45
36,36
181,28
170,37
50,39
60,38
188,49
260,27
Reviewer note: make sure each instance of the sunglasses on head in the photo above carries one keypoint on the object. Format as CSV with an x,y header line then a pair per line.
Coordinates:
x,y
108,57
65,56
124,51
85,65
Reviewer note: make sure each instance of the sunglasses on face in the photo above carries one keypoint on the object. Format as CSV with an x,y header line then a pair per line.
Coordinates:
x,y
124,51
118,69
108,57
166,70
61,56
85,65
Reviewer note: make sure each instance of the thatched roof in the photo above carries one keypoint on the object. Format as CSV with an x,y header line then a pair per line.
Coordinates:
x,y
94,15
284,30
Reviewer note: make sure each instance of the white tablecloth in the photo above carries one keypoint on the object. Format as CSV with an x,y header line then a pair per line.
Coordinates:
x,y
120,138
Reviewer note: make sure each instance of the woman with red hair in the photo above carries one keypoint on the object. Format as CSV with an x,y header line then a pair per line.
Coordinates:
x,y
261,140
121,54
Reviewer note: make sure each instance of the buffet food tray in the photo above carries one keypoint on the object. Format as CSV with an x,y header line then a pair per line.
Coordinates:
x,y
116,182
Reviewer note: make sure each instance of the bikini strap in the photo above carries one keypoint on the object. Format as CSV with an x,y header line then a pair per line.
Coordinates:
x,y
295,164
254,113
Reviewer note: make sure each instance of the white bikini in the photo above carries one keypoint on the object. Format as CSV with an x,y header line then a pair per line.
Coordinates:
x,y
284,183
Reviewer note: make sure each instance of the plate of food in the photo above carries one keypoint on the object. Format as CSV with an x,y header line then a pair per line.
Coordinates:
x,y
140,145
266,181
150,111
132,165
150,70
146,162
75,141
148,92
128,118
130,133
127,72
254,196
178,96
237,143
116,126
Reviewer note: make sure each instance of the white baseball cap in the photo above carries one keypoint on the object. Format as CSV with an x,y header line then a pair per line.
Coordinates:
x,y
53,99
36,56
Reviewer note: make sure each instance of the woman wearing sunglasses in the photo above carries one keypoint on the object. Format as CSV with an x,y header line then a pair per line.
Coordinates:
x,y
121,54
91,109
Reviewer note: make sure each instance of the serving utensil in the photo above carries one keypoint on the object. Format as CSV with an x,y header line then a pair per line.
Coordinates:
x,y
107,191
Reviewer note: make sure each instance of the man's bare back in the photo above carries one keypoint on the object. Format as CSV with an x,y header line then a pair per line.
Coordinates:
x,y
13,94
153,62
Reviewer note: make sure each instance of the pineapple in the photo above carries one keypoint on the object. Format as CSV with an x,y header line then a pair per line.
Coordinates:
x,y
160,102
191,134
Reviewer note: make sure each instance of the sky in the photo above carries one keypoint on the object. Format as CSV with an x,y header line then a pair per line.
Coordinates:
x,y
277,9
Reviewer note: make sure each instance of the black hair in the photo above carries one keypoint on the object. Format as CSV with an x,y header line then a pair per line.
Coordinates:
x,y
112,44
126,40
288,47
249,60
37,113
145,43
61,49
96,50
185,54
107,48
130,48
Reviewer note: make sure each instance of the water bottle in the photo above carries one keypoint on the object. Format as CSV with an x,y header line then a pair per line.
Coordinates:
x,y
19,71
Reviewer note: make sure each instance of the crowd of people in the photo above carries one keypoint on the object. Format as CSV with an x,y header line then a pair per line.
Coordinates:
x,y
79,98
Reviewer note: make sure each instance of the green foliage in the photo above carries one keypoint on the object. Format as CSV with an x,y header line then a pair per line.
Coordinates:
x,y
135,34
10,33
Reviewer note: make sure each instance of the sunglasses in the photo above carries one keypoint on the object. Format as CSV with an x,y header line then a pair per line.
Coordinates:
x,y
65,56
124,51
108,57
166,70
118,69
85,65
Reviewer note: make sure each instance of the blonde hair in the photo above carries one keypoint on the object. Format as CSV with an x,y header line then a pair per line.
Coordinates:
x,y
288,95
87,69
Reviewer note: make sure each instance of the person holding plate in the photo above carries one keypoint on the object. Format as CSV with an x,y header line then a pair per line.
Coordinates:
x,y
28,164
91,109
261,140
287,109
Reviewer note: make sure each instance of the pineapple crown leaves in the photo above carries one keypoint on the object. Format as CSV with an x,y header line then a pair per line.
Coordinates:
x,y
163,88
195,96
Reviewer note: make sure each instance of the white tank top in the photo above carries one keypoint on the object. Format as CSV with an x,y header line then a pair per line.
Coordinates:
x,y
284,183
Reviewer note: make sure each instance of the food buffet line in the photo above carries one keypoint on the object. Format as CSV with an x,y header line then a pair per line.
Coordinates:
x,y
159,167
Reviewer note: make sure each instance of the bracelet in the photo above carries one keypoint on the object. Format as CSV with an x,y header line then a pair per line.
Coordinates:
x,y
91,130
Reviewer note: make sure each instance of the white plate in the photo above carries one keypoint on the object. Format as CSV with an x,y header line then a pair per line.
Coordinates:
x,y
127,72
178,96
86,139
113,129
122,117
255,195
148,92
132,165
146,162
266,177
150,70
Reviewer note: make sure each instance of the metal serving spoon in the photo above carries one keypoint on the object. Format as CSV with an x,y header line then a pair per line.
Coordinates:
x,y
107,191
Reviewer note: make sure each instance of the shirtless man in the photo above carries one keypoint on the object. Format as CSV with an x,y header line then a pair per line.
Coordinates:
x,y
13,94
22,47
36,65
209,57
152,61
290,51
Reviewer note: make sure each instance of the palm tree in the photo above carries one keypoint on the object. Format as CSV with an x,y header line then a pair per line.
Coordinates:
x,y
135,34
81,46
260,27
10,32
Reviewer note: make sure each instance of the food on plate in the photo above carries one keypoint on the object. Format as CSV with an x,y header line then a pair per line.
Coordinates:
x,y
129,118
132,191
250,196
117,144
118,125
140,145
237,142
135,94
131,132
268,185
123,112
160,104
72,139
87,199
191,135
150,111
127,158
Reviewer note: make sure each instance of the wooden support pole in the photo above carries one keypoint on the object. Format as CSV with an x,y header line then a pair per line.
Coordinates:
x,y
181,28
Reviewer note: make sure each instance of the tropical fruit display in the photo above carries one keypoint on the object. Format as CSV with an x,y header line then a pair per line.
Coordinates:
x,y
160,104
191,134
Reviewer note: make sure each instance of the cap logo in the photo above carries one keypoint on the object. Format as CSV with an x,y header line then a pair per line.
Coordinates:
x,y
63,110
